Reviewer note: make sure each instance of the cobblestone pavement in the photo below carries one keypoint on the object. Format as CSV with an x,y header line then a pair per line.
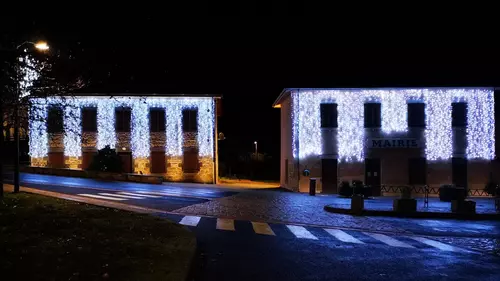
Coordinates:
x,y
274,206
486,245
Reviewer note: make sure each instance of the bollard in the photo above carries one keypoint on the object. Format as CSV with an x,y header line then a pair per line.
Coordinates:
x,y
312,186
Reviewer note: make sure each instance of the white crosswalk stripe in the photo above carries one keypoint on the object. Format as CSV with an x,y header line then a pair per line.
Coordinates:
x,y
262,228
174,194
436,244
388,240
301,232
342,236
120,196
225,224
141,195
102,197
190,220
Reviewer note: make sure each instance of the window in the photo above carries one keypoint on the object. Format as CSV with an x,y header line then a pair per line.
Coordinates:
x,y
189,120
458,114
89,119
157,120
122,122
416,115
328,115
372,115
417,171
190,161
55,120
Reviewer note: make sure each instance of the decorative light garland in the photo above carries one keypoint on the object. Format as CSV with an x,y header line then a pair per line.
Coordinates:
x,y
140,143
28,75
351,133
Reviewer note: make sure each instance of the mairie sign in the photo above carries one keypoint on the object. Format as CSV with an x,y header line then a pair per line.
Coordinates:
x,y
392,143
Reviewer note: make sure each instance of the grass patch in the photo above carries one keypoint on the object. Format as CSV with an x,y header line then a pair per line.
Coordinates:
x,y
44,238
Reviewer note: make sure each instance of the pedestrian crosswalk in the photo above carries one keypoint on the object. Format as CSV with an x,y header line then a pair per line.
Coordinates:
x,y
319,234
144,194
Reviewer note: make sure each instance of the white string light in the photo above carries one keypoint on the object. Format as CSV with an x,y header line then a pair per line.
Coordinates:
x,y
350,141
38,138
106,135
28,75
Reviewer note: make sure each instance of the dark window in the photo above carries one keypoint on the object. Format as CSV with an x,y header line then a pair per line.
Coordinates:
x,y
55,120
189,120
157,120
458,114
416,115
122,122
190,161
372,115
328,115
417,171
89,119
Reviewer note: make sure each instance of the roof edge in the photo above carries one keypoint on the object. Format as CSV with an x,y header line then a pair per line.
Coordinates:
x,y
280,98
134,95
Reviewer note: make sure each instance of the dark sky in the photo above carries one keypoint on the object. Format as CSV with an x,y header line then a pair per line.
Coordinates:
x,y
249,69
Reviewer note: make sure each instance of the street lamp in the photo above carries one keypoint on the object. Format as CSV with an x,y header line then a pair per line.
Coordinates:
x,y
255,142
41,46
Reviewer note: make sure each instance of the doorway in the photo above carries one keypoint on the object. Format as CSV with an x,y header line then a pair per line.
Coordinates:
x,y
329,175
372,172
126,161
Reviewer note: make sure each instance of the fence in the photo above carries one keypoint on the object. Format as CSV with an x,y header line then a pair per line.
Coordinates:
x,y
422,190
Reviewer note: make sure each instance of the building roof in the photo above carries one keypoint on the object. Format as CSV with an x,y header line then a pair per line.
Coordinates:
x,y
112,94
286,91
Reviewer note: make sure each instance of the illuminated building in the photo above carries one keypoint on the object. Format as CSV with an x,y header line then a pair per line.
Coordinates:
x,y
173,136
388,136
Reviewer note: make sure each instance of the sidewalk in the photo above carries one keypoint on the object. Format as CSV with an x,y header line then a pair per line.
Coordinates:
x,y
383,206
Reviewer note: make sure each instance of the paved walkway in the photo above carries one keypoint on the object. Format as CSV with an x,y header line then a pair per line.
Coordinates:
x,y
287,207
483,205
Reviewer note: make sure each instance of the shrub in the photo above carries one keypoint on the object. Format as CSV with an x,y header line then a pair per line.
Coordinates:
x,y
106,160
358,188
345,189
449,192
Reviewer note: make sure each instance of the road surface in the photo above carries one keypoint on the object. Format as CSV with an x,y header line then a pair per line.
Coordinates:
x,y
239,248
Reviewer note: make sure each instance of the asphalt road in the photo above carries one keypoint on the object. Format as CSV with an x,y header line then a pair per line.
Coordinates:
x,y
242,250
242,254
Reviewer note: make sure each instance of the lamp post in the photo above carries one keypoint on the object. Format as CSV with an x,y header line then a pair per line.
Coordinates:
x,y
41,46
256,155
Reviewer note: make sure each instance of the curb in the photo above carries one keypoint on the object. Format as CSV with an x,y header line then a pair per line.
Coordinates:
x,y
422,215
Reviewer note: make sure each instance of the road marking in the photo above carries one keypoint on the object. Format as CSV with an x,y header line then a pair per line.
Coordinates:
x,y
225,224
388,240
436,244
102,197
190,220
262,228
301,232
120,196
342,236
141,195
172,194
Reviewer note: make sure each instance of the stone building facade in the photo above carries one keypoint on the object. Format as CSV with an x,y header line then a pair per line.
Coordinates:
x,y
172,136
391,137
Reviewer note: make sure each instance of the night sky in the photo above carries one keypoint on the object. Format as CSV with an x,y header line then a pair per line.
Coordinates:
x,y
249,69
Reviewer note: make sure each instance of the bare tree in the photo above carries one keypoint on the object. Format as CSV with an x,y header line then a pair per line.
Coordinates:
x,y
27,77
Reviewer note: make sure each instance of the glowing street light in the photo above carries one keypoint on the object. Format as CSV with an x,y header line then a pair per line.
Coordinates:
x,y
255,142
42,46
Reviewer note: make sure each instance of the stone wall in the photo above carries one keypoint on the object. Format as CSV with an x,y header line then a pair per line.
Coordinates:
x,y
174,168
